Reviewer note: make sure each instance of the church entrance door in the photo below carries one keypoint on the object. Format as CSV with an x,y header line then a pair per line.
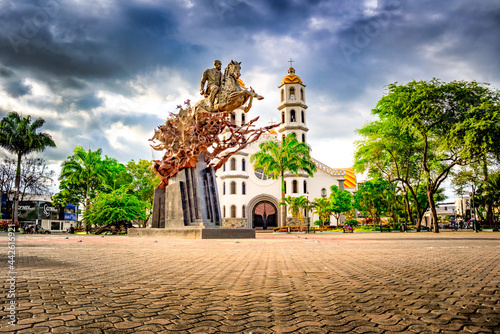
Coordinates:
x,y
264,216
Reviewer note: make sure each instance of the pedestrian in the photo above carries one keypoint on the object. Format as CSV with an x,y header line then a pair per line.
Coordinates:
x,y
36,229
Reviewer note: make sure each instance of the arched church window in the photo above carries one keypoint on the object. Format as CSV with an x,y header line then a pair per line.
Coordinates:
x,y
303,138
292,115
243,188
243,164
282,94
305,187
223,188
233,164
243,212
323,192
233,118
283,117
294,187
243,119
302,94
233,188
292,93
233,211
302,116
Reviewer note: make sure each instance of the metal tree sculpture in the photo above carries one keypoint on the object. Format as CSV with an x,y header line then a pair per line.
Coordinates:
x,y
187,135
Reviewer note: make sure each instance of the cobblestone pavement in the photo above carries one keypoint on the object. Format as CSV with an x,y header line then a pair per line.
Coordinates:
x,y
338,283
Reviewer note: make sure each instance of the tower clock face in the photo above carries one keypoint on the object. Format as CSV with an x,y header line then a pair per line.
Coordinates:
x,y
261,176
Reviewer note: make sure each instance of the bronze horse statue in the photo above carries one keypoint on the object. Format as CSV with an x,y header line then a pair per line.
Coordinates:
x,y
231,95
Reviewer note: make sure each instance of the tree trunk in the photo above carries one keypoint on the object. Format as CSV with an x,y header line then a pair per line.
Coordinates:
x,y
87,224
432,205
283,206
17,183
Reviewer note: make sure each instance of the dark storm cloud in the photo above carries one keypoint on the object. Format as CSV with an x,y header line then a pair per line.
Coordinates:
x,y
89,102
6,73
345,51
17,89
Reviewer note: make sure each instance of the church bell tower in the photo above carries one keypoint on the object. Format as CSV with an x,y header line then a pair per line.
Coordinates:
x,y
293,106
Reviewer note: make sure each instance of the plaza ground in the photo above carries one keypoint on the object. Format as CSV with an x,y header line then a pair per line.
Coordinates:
x,y
339,283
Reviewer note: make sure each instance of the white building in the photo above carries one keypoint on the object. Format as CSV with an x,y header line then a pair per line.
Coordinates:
x,y
249,199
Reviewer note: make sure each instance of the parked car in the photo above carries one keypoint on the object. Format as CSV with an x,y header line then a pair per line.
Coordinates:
x,y
41,230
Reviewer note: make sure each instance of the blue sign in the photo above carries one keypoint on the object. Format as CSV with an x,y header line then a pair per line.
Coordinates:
x,y
69,216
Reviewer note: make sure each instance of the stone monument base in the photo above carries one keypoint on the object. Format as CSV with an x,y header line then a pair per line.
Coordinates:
x,y
192,233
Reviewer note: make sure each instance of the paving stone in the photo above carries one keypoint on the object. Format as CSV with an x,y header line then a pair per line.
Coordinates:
x,y
356,283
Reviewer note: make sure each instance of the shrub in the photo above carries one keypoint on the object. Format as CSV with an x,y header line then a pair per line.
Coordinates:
x,y
351,222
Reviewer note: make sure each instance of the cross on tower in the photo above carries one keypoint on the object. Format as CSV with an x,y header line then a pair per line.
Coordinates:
x,y
291,61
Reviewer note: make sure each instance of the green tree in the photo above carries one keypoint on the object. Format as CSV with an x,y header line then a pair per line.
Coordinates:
x,y
456,123
114,207
144,181
392,153
322,207
340,201
371,198
84,174
296,207
19,136
278,158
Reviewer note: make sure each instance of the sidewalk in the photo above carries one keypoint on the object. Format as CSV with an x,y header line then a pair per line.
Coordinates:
x,y
341,283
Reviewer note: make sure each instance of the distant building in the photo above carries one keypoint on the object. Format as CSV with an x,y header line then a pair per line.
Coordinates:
x,y
38,209
248,197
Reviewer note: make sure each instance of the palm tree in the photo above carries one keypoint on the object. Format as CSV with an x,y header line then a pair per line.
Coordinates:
x,y
277,158
83,174
323,208
18,135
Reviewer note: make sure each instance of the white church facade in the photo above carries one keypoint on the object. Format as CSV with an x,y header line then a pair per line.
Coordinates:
x,y
250,199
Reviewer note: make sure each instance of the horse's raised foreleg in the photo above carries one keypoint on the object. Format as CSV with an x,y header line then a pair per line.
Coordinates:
x,y
249,105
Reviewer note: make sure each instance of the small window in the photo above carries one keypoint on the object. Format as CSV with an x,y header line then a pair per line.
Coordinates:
x,y
292,115
233,211
243,188
305,187
223,188
284,185
224,167
302,94
283,137
282,94
303,138
243,212
233,188
303,118
283,117
224,211
233,164
243,164
292,93
233,118
294,187
323,192
243,119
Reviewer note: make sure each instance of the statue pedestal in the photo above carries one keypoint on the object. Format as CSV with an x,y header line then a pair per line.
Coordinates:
x,y
192,233
189,200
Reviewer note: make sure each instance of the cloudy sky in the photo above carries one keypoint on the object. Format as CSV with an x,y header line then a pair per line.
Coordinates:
x,y
106,73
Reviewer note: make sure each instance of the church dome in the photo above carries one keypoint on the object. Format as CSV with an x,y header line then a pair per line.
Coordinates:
x,y
291,77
